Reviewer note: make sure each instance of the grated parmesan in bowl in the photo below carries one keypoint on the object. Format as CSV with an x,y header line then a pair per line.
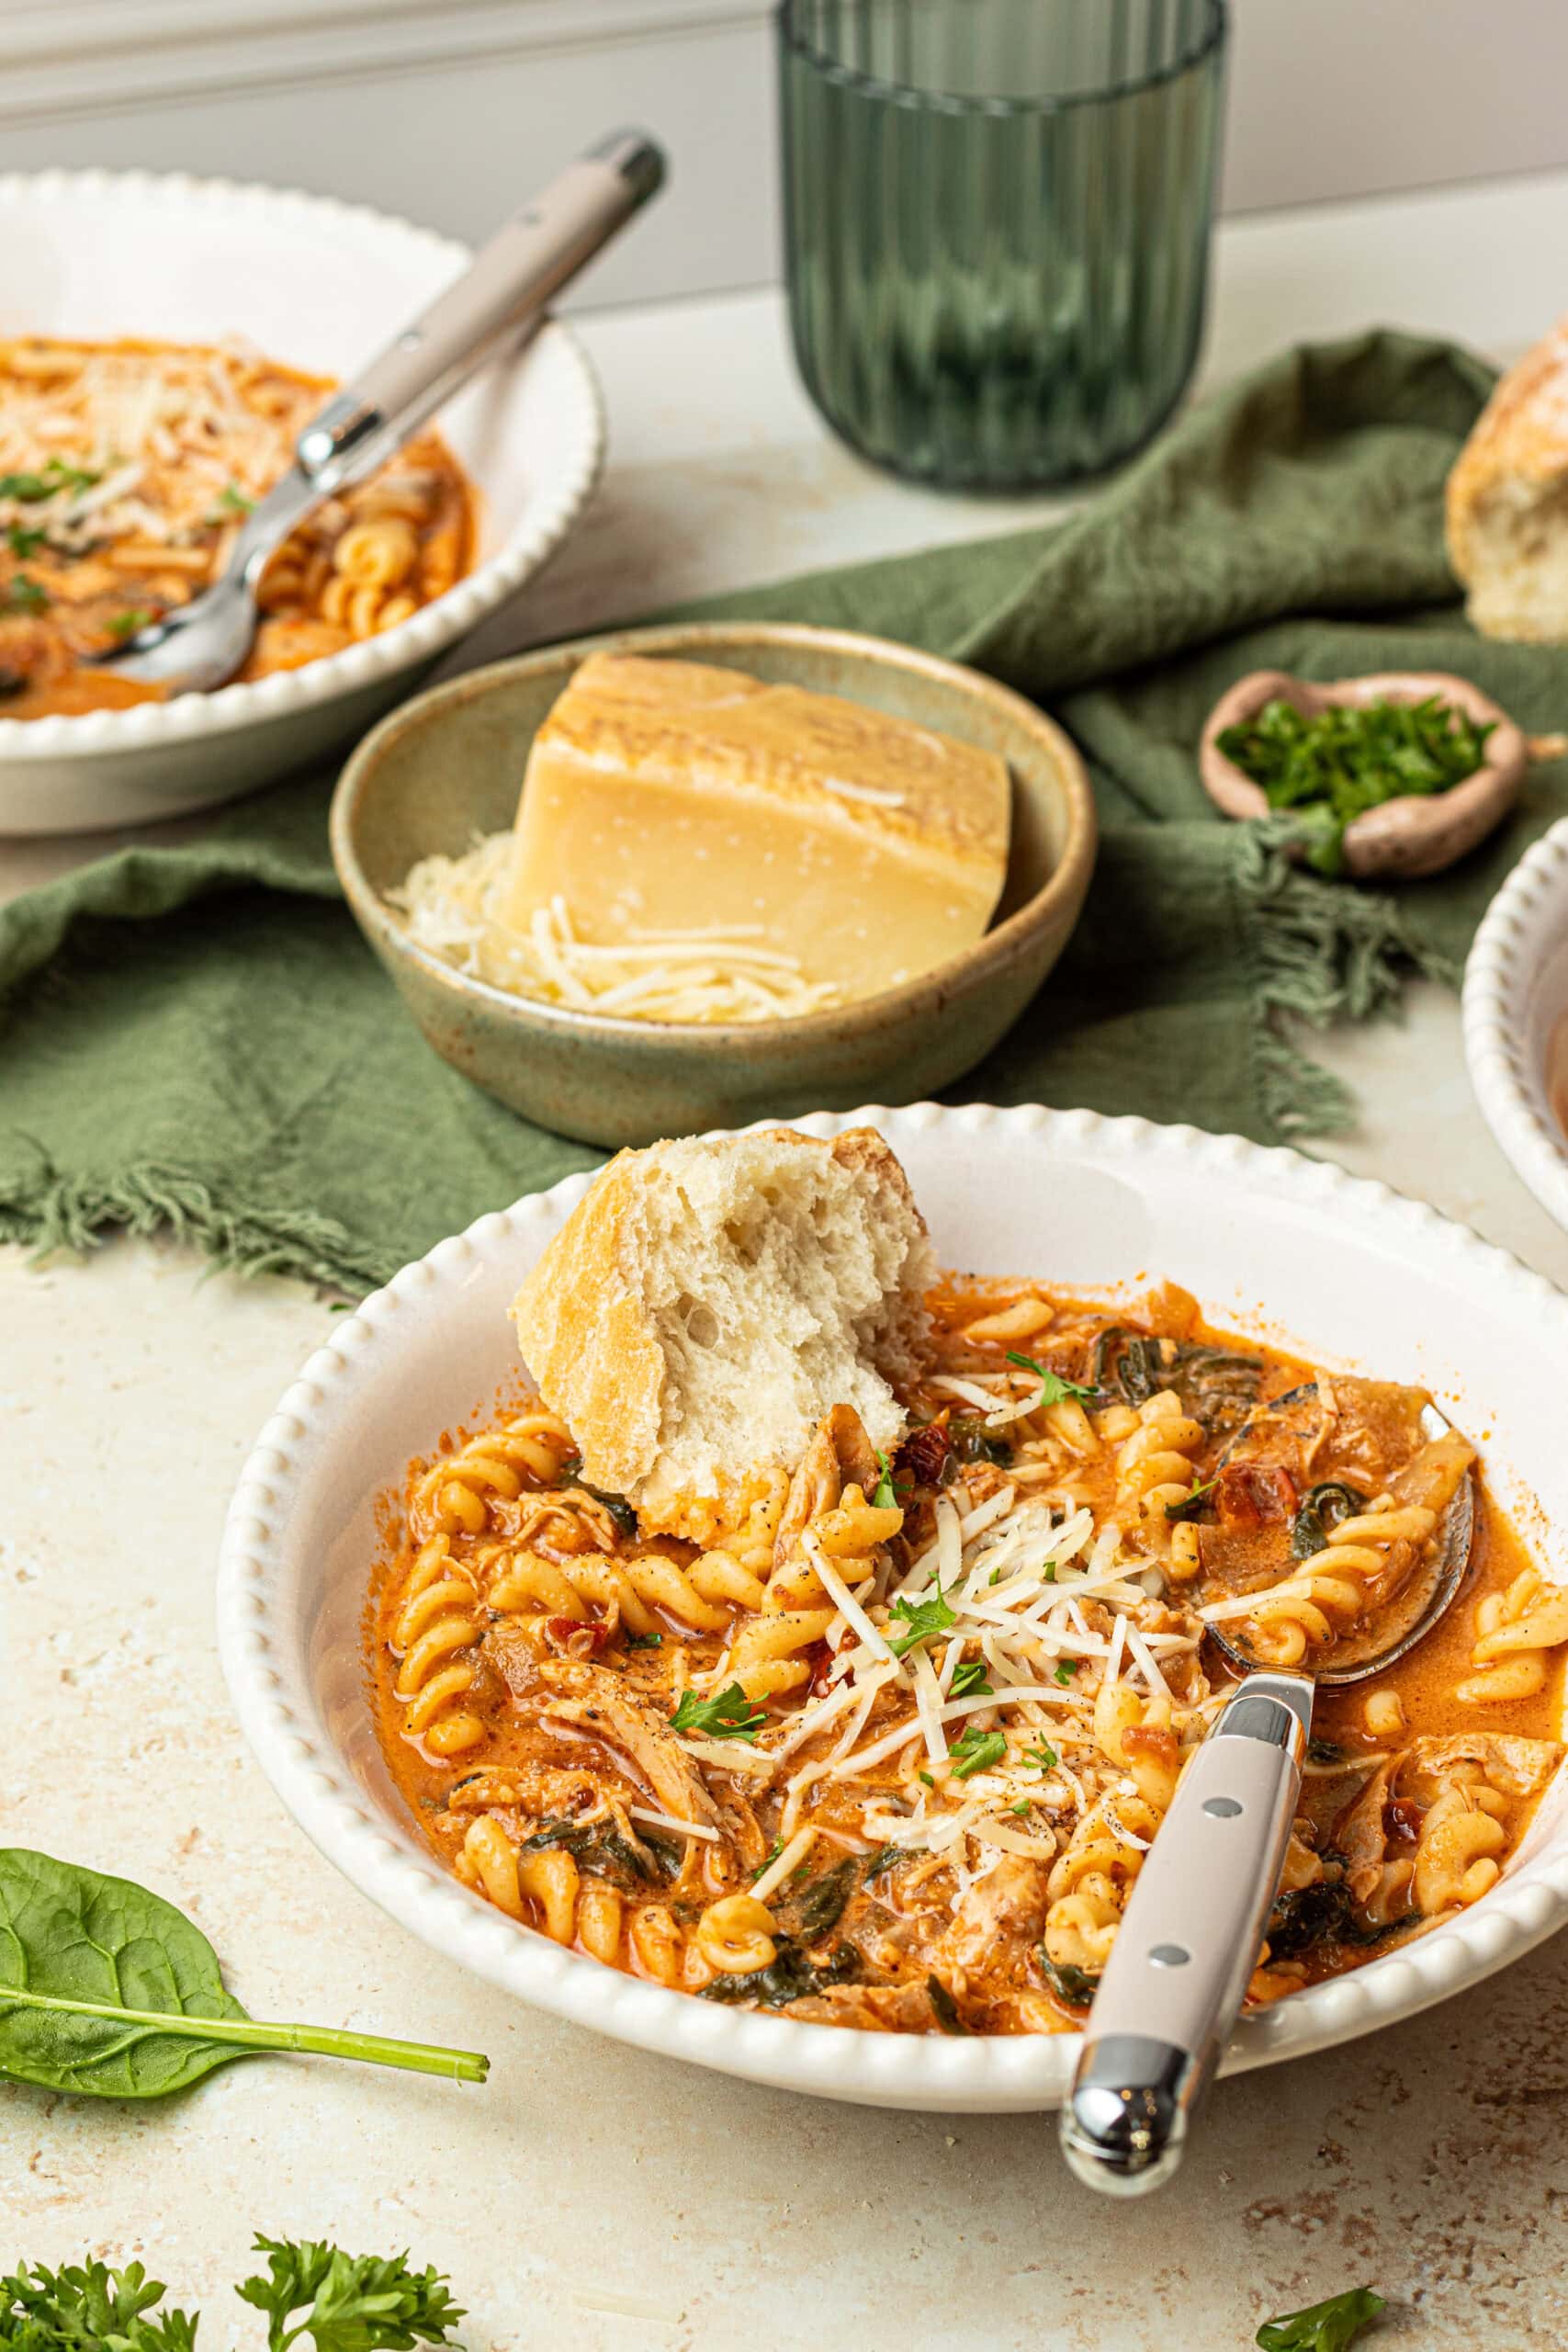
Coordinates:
x,y
459,908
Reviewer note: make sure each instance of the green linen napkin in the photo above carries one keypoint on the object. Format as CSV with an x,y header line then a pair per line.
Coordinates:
x,y
195,1037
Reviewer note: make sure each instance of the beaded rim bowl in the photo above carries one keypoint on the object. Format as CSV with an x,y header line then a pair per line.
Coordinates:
x,y
319,285
1348,1271
1516,1017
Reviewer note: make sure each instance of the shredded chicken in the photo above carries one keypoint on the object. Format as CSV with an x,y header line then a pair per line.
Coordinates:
x,y
601,1704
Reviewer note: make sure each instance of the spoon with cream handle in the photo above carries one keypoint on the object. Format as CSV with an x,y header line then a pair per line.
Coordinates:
x,y
499,299
1188,1942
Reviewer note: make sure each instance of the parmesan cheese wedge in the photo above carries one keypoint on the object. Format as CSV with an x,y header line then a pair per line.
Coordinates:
x,y
663,793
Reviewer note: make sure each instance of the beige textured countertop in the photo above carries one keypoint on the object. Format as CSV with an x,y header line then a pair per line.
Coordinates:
x,y
590,2197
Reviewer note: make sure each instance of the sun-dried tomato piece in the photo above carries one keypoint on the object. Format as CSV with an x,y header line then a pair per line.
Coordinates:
x,y
819,1658
575,1637
1402,1819
1250,1494
922,1456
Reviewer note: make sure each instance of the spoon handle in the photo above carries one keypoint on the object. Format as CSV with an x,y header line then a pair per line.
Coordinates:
x,y
502,292
1188,1942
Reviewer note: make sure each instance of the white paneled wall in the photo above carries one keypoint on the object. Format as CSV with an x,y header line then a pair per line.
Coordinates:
x,y
448,110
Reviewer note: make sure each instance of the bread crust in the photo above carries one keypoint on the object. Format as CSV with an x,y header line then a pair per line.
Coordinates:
x,y
591,1343
1518,442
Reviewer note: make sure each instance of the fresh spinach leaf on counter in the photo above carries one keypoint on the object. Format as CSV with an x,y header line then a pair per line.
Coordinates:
x,y
344,2303
1330,2326
107,1991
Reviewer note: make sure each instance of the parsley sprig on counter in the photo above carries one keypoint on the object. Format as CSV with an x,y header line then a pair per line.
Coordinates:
x,y
343,2303
1350,758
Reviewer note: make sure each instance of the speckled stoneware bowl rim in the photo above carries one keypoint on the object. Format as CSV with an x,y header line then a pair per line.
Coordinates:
x,y
301,1528
999,948
1526,923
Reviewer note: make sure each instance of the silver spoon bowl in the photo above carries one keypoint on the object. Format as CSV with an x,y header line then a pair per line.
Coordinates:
x,y
1362,1655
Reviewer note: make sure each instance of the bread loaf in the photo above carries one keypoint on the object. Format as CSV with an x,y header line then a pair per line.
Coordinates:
x,y
1508,501
711,1300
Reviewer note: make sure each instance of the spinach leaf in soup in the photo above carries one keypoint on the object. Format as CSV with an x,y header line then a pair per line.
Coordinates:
x,y
820,1904
1319,1512
599,1848
1217,1385
1073,1987
790,1975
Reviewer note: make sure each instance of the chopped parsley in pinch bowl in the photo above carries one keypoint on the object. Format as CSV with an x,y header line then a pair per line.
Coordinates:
x,y
825,1752
1390,776
164,338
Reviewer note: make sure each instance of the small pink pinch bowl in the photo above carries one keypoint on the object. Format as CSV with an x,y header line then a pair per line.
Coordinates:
x,y
1417,833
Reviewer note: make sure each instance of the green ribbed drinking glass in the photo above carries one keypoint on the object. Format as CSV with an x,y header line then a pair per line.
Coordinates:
x,y
997,219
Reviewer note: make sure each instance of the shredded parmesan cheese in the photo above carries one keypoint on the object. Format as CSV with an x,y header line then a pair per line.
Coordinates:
x,y
458,908
670,1821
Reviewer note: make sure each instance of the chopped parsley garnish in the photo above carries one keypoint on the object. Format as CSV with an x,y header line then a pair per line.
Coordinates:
x,y
976,1751
1021,1806
232,499
970,1680
923,1618
644,1641
1053,1389
1043,1758
1066,1670
729,1715
1183,1507
887,1491
1331,2327
22,542
55,476
25,595
126,624
1347,759
769,1859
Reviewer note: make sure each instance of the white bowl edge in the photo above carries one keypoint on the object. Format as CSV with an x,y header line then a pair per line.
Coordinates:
x,y
1526,923
264,1643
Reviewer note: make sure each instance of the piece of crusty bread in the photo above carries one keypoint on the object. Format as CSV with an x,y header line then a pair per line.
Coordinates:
x,y
710,1300
1508,501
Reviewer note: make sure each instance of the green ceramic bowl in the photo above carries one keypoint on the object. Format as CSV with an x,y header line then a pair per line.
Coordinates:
x,y
449,765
